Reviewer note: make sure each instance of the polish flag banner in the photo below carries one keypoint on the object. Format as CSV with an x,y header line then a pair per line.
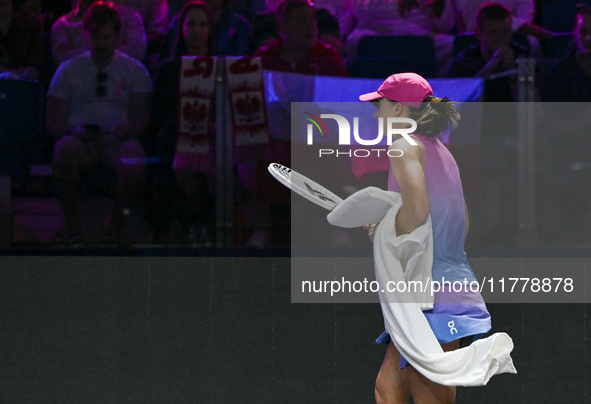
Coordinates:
x,y
248,110
197,87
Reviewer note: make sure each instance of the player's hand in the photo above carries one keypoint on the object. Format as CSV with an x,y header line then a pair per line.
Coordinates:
x,y
505,57
371,229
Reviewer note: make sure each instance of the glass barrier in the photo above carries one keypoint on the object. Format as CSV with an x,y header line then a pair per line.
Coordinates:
x,y
523,165
518,197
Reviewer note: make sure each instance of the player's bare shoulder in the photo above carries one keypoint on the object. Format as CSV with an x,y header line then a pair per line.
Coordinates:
x,y
407,152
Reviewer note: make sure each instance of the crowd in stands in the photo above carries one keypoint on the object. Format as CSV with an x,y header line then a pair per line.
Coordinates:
x,y
110,70
35,47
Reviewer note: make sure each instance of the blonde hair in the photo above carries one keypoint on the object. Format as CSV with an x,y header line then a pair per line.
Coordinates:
x,y
435,115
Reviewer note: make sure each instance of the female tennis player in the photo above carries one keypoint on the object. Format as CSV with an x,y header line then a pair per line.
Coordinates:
x,y
428,180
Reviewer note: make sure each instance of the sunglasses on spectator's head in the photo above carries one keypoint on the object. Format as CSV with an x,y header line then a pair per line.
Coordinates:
x,y
583,8
101,89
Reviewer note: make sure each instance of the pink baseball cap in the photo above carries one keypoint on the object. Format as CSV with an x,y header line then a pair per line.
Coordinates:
x,y
408,88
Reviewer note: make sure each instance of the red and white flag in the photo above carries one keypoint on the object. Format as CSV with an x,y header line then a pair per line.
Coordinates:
x,y
247,105
196,101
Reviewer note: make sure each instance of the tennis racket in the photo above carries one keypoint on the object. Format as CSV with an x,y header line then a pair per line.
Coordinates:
x,y
304,186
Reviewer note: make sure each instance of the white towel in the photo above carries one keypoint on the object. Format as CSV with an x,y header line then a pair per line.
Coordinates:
x,y
407,257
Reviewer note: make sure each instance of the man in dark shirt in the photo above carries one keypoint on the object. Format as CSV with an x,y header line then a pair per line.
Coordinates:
x,y
495,53
299,50
569,79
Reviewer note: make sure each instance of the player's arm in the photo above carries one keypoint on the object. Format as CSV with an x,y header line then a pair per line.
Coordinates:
x,y
410,174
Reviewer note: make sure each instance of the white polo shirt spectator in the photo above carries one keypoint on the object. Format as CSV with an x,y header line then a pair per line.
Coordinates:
x,y
77,81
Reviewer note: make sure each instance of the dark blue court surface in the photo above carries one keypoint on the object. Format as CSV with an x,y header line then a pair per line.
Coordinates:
x,y
223,330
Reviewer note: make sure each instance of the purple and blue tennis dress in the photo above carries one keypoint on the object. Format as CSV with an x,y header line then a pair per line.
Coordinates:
x,y
460,314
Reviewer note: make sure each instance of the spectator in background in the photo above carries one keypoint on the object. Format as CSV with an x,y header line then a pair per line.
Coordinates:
x,y
231,32
21,42
193,38
298,49
569,79
68,36
248,8
566,91
495,53
98,106
332,17
522,13
328,30
265,30
154,14
343,11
